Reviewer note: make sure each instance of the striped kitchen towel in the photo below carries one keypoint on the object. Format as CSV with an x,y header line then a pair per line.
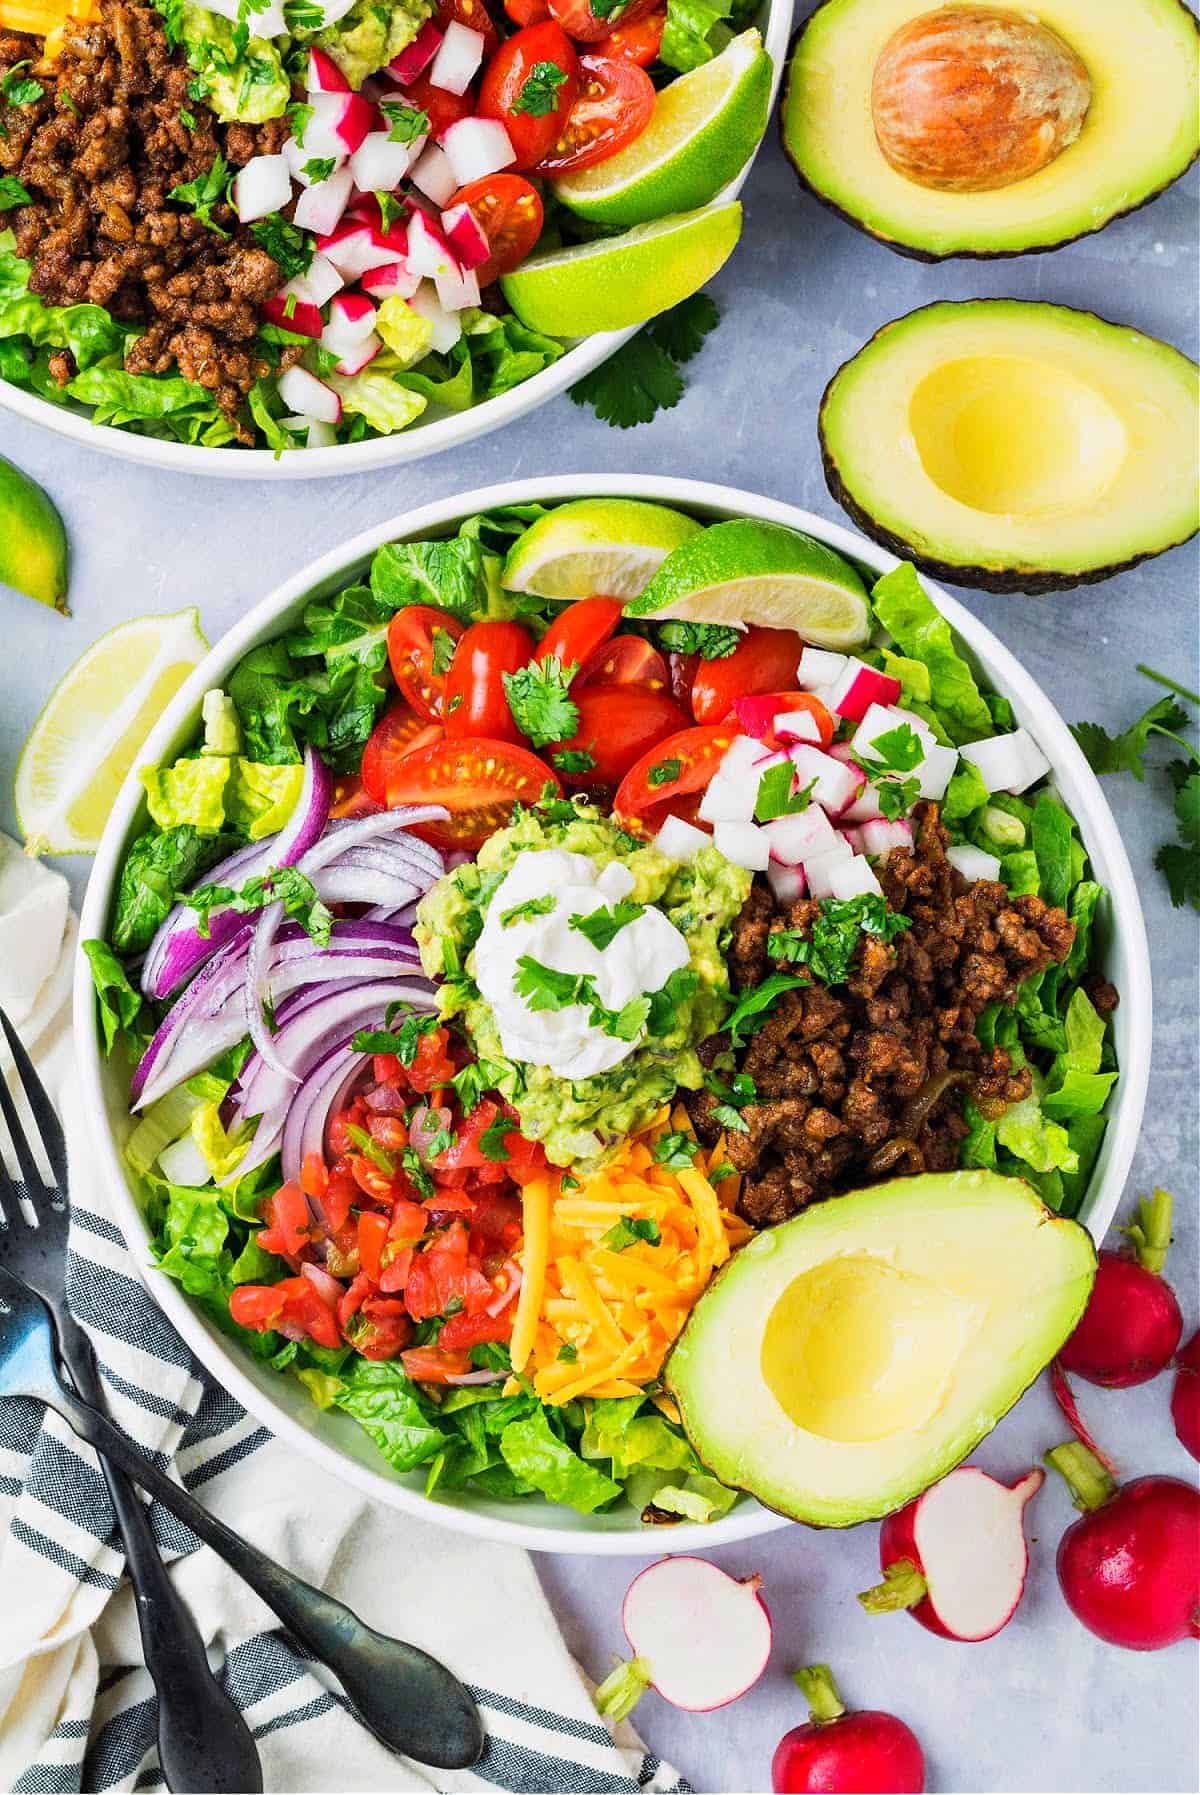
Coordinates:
x,y
76,1703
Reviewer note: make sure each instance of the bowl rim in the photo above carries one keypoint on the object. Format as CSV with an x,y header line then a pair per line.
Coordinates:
x,y
441,433
220,1357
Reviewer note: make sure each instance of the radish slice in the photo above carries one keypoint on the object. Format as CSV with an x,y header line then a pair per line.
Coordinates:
x,y
446,326
853,878
321,206
355,248
263,186
700,1638
787,882
418,55
338,124
318,284
796,726
354,357
303,392
956,1557
428,251
1007,763
935,772
393,281
458,57
679,840
819,869
819,667
293,314
881,720
432,173
466,237
476,147
379,165
729,800
973,863
880,837
743,843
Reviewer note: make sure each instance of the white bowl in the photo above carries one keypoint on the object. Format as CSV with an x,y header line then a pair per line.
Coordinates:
x,y
448,431
335,1440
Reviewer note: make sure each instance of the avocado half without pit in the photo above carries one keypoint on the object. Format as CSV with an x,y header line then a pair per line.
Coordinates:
x,y
991,130
1014,445
845,1360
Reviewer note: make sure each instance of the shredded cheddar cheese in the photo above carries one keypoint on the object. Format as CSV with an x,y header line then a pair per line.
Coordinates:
x,y
47,19
616,1311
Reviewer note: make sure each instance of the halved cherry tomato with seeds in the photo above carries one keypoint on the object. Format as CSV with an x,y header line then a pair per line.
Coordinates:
x,y
625,661
509,212
670,779
765,660
476,701
351,798
477,781
640,41
617,725
587,27
530,85
397,732
614,105
421,640
576,633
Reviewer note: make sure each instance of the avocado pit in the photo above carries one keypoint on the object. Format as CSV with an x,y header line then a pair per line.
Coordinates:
x,y
968,98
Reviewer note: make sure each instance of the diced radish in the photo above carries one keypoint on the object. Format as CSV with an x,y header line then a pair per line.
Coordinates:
x,y
771,757
819,667
447,328
679,840
319,282
316,436
787,882
881,720
834,785
262,186
820,869
466,237
853,835
728,799
1007,763
338,124
303,392
973,863
428,251
293,314
324,75
756,714
744,843
795,838
354,357
417,55
378,164
796,726
936,770
351,317
432,173
853,878
881,836
320,206
356,248
857,687
699,1637
741,759
394,280
457,289
476,147
299,160
458,57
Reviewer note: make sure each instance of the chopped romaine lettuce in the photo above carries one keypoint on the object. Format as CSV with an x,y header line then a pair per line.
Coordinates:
x,y
913,620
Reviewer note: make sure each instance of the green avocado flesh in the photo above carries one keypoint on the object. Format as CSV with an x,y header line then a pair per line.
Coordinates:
x,y
1139,134
844,1361
1014,445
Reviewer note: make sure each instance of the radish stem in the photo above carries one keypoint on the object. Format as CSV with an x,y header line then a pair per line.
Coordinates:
x,y
1151,1233
820,1692
1064,1396
903,1586
1089,1483
622,1689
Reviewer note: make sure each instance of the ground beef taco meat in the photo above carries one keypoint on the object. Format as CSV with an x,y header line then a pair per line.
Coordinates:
x,y
867,1079
114,131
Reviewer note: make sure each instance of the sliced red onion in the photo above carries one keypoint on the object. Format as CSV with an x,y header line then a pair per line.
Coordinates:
x,y
386,1100
479,1377
350,885
324,1283
326,1088
256,993
426,1124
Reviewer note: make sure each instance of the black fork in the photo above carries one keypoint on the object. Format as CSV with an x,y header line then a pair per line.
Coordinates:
x,y
203,1741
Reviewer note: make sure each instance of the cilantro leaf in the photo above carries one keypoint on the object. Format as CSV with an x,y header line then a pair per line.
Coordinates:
x,y
539,91
682,330
534,906
405,123
17,89
290,248
568,1353
1125,753
663,772
319,168
540,702
643,378
828,949
444,645
1180,867
628,1231
711,641
284,884
404,1042
775,795
206,192
676,1151
750,1012
602,926
492,1140
733,1096
574,760
662,1014
544,987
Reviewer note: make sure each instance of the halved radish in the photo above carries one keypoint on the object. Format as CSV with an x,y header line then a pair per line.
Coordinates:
x,y
290,313
1007,763
787,882
395,280
303,392
262,186
728,799
679,840
819,667
744,843
320,207
355,248
379,165
324,75
935,772
458,57
418,55
466,237
956,1558
834,785
299,160
433,175
700,1637
319,282
853,878
879,836
857,687
476,147
338,124
796,838
881,719
852,834
447,328
973,863
755,714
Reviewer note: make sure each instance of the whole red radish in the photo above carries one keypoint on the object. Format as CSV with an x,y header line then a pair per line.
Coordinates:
x,y
1185,1397
865,1752
699,1636
1132,1323
1130,1566
956,1557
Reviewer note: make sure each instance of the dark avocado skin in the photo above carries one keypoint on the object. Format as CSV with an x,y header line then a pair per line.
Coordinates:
x,y
955,255
1033,582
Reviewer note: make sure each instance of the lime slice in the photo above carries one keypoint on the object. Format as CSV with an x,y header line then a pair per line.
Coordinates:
x,y
618,281
33,543
744,571
92,726
703,128
610,546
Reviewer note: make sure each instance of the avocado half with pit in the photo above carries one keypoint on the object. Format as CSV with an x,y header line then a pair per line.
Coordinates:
x,y
844,1361
1014,445
984,130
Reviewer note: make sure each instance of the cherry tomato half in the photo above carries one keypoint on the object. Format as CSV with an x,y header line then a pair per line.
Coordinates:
x,y
576,633
421,641
639,41
587,27
478,782
684,668
476,702
617,725
397,733
474,15
670,779
614,105
625,661
510,215
350,797
527,12
530,85
765,660
441,107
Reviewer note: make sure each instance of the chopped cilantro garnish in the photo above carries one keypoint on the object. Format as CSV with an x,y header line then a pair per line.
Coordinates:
x,y
444,643
628,1231
568,1353
540,702
206,192
371,1149
662,1016
711,641
534,906
732,1094
302,15
775,795
828,948
290,248
492,1140
404,1041
411,1162
298,116
285,884
663,772
750,1012
539,90
319,168
676,1151
574,760
602,926
405,123
17,89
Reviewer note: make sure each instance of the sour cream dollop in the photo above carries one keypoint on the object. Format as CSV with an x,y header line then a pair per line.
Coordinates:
x,y
640,958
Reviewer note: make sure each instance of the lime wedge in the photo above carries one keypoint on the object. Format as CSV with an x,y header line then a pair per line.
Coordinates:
x,y
745,571
703,128
92,726
609,546
33,543
619,281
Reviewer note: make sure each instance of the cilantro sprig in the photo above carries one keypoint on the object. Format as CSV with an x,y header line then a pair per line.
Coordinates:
x,y
285,884
601,927
539,91
711,641
205,193
896,753
828,948
643,378
628,1231
540,702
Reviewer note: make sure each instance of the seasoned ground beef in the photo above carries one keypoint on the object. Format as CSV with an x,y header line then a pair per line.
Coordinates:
x,y
866,1080
99,153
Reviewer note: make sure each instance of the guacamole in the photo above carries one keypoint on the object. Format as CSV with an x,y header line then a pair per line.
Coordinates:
x,y
578,1120
250,85
371,34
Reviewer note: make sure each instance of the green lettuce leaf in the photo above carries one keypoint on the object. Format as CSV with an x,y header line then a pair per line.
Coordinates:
x,y
387,1406
449,574
965,793
190,792
384,402
157,869
119,1004
536,1455
1029,1135
1053,839
913,620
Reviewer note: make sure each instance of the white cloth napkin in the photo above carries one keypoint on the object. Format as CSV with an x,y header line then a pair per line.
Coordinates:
x,y
76,1703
